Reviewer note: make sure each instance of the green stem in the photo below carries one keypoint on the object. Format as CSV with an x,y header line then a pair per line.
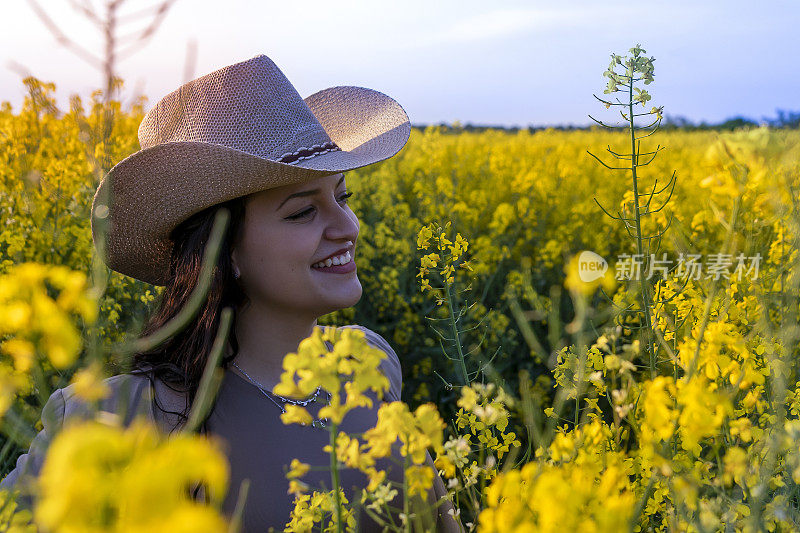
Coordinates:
x,y
335,477
462,365
212,376
196,298
407,521
481,463
643,282
235,525
577,409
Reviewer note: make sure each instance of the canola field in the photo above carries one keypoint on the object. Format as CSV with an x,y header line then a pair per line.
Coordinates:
x,y
550,401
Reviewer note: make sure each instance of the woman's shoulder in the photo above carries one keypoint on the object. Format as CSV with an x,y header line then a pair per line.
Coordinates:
x,y
123,396
128,395
66,406
390,364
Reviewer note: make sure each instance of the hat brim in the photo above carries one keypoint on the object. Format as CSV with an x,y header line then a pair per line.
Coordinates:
x,y
155,189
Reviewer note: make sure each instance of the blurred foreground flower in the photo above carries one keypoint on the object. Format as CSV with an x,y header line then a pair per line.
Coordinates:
x,y
37,304
100,477
582,280
12,520
90,382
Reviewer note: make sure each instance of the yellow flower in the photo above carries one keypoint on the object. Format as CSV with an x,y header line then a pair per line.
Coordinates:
x,y
22,351
736,464
296,487
416,431
89,383
571,496
296,415
703,411
468,399
742,428
426,285
352,362
133,479
297,469
38,321
445,465
382,495
419,479
460,246
424,236
579,284
16,315
314,508
430,260
349,452
659,411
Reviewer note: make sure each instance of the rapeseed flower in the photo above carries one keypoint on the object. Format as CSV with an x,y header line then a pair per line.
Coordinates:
x,y
100,477
33,321
89,383
353,362
556,498
319,508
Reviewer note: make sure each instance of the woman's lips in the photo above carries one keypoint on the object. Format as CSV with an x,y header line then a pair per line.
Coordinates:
x,y
350,266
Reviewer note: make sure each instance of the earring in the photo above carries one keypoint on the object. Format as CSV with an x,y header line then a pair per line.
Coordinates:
x,y
236,273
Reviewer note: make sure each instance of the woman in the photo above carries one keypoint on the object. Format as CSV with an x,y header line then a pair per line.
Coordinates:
x,y
242,138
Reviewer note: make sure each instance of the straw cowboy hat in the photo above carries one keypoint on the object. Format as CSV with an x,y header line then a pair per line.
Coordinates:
x,y
233,132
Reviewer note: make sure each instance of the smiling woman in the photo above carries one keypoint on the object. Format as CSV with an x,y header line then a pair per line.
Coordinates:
x,y
287,293
242,138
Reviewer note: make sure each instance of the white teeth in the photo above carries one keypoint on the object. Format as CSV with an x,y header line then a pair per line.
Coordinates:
x,y
339,260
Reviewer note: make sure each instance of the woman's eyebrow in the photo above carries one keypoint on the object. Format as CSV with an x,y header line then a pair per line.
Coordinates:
x,y
312,192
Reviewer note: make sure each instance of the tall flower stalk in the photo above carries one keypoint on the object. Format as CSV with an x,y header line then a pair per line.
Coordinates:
x,y
352,366
636,68
447,256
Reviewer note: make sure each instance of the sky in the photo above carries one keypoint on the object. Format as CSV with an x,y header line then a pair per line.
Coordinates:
x,y
501,63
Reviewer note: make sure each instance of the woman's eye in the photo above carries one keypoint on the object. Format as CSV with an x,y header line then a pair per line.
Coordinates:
x,y
301,215
307,213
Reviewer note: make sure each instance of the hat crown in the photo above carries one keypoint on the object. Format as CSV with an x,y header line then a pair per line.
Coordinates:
x,y
234,132
250,106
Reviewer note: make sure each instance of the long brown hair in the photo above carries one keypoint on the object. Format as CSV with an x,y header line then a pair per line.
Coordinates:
x,y
179,362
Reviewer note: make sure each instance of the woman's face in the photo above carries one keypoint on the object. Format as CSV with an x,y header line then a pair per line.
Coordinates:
x,y
288,229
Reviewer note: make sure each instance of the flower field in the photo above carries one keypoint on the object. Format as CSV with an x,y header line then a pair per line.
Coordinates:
x,y
548,401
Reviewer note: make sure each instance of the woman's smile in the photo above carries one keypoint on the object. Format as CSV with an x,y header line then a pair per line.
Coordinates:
x,y
339,262
349,265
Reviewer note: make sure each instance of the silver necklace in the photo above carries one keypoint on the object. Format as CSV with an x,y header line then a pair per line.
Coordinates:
x,y
316,423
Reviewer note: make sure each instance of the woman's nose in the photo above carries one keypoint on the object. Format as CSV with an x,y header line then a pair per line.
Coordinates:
x,y
343,224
